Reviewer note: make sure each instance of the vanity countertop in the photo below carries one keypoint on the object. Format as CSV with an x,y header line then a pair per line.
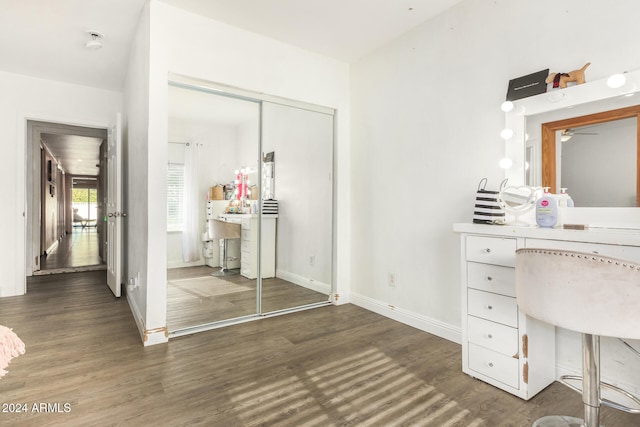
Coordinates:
x,y
247,215
611,236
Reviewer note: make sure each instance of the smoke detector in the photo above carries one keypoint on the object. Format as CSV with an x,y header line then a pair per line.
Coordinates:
x,y
95,40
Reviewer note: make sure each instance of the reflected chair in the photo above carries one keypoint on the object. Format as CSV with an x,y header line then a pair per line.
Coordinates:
x,y
225,230
591,294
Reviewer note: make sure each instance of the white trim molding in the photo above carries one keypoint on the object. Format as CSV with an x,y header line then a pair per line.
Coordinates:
x,y
424,323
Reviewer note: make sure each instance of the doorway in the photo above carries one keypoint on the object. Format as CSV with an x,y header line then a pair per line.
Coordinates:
x,y
67,186
265,171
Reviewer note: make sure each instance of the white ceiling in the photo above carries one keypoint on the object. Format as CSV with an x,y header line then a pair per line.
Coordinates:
x,y
341,29
78,155
46,38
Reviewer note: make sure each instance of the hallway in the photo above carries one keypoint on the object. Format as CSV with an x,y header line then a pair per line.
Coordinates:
x,y
77,251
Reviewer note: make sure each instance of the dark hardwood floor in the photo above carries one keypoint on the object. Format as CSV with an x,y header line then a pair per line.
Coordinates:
x,y
77,251
330,366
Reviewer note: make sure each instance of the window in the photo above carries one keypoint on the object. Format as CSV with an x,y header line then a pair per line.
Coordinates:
x,y
175,190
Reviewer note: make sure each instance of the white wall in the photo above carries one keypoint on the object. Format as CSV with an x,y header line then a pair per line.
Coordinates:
x,y
425,129
191,45
25,98
145,185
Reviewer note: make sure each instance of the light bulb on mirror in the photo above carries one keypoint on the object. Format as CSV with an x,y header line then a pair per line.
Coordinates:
x,y
616,81
506,134
507,106
506,163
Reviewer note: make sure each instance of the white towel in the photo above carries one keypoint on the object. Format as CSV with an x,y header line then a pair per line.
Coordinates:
x,y
10,346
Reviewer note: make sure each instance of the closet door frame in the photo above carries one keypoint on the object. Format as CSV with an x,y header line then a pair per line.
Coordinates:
x,y
238,93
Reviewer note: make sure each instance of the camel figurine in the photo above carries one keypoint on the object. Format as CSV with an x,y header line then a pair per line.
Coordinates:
x,y
561,79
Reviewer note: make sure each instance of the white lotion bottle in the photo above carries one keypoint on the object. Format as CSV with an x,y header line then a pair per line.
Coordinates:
x,y
547,210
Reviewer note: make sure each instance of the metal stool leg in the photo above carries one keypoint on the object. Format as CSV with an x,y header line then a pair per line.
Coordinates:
x,y
590,389
591,379
224,271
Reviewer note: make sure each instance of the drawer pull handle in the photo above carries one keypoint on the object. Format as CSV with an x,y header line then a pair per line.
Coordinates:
x,y
489,278
487,250
490,364
489,307
489,336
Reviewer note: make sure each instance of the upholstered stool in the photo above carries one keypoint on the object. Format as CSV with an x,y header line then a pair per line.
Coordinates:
x,y
591,294
225,230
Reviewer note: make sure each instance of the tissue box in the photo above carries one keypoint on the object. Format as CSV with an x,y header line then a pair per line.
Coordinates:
x,y
216,193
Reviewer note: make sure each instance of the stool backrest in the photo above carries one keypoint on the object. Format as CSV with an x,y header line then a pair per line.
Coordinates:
x,y
225,230
579,291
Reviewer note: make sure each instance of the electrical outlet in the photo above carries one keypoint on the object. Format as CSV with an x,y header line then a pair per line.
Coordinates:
x,y
391,278
312,260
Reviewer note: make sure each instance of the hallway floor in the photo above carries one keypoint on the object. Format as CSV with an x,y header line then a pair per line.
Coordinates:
x,y
77,251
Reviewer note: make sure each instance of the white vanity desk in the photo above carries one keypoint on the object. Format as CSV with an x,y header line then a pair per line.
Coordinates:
x,y
502,346
249,244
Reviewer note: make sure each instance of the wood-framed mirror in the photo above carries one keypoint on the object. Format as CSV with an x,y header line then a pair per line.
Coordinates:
x,y
549,138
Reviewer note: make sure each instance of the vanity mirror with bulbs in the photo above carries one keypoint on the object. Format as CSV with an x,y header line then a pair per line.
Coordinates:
x,y
501,345
584,138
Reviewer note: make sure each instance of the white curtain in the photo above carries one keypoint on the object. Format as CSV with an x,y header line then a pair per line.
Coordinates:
x,y
191,206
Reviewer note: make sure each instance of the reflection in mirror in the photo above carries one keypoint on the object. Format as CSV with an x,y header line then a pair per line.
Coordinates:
x,y
595,156
302,184
266,168
225,131
598,163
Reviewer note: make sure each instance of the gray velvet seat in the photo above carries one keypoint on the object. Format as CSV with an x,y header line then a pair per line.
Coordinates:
x,y
591,294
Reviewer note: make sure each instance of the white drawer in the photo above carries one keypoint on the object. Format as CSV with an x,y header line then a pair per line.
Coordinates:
x,y
246,224
491,250
493,336
630,253
496,308
245,235
492,278
245,246
493,364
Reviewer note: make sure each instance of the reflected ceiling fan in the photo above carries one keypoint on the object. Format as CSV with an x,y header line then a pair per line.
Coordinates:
x,y
567,134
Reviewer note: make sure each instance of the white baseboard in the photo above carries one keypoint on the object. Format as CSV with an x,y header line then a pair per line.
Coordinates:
x,y
424,323
148,337
52,248
323,288
180,264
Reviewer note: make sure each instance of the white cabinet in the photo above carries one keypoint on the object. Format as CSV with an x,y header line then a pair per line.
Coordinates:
x,y
248,243
505,348
249,247
500,345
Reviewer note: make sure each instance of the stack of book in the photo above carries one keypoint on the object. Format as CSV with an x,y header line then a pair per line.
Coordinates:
x,y
270,207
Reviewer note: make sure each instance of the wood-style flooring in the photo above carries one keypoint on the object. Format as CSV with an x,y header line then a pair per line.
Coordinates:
x,y
77,251
194,297
330,366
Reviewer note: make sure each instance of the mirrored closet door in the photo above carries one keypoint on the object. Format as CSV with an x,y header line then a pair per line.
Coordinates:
x,y
213,141
249,208
300,143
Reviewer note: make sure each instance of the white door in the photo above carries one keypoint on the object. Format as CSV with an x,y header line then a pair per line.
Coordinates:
x,y
114,207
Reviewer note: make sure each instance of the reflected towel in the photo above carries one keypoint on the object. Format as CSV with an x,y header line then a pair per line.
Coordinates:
x,y
10,346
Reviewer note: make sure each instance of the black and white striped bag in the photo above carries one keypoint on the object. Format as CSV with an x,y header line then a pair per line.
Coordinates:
x,y
488,210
